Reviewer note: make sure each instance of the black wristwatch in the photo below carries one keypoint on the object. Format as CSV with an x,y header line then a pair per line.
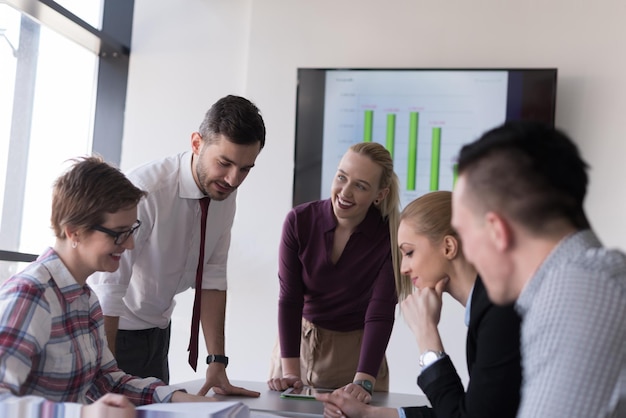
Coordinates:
x,y
216,358
365,384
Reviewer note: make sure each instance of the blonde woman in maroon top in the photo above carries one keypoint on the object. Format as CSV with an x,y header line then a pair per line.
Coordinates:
x,y
338,264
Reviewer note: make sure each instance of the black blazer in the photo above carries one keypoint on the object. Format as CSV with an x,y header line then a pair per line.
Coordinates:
x,y
493,361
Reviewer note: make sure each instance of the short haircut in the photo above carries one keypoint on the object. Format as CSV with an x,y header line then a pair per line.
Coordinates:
x,y
238,119
87,191
531,172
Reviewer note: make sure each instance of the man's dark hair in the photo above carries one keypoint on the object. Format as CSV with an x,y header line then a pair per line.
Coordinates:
x,y
236,118
529,171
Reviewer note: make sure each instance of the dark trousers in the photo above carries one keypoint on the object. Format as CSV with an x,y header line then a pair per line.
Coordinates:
x,y
143,352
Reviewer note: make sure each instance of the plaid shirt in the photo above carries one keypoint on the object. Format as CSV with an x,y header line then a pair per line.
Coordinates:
x,y
573,335
52,346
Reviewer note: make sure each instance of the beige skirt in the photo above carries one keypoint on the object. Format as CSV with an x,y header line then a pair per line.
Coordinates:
x,y
329,359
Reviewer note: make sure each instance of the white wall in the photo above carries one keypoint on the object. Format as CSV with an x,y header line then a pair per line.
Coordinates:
x,y
188,54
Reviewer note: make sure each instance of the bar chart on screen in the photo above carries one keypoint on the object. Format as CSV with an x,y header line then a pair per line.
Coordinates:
x,y
423,120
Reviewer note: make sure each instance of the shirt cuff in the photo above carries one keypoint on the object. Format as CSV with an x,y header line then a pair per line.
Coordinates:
x,y
215,281
163,394
401,413
434,362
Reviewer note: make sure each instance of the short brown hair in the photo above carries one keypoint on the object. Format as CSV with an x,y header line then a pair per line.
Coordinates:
x,y
87,191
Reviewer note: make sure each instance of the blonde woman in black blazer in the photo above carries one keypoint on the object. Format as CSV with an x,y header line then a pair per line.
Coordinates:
x,y
432,259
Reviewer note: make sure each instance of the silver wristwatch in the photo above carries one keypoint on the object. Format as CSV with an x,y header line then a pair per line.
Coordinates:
x,y
428,357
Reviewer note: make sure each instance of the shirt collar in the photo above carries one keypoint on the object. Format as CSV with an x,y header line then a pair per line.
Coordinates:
x,y
571,245
66,283
468,305
187,187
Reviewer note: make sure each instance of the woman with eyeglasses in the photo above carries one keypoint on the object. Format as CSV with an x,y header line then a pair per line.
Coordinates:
x,y
54,357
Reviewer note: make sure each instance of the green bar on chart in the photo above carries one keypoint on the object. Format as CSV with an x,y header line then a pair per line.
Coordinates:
x,y
368,126
391,132
414,118
435,156
455,174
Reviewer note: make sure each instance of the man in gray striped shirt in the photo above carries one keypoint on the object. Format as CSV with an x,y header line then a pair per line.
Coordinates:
x,y
518,207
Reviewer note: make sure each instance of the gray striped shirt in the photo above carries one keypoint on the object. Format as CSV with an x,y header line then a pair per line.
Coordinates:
x,y
574,332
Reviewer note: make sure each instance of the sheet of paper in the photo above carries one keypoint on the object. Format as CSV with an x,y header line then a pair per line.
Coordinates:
x,y
194,410
257,414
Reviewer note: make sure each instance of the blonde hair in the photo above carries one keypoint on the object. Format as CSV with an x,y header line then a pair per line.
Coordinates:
x,y
389,207
430,215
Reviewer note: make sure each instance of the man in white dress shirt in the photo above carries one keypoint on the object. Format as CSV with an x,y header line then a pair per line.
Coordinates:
x,y
138,299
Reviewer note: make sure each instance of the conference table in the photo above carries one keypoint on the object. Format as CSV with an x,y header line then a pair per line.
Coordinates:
x,y
271,402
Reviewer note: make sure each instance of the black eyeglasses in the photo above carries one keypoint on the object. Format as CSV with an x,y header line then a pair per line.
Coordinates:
x,y
119,237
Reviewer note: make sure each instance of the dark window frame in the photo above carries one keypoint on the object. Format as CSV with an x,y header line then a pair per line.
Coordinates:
x,y
112,46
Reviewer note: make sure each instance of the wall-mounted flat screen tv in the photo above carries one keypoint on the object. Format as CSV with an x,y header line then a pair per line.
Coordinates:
x,y
422,116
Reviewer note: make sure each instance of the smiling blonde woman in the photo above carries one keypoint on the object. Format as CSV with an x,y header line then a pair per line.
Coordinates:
x,y
337,268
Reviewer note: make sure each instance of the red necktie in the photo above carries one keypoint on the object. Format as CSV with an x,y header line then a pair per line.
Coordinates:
x,y
195,319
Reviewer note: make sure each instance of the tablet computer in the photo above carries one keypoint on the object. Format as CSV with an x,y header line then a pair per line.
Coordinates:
x,y
305,392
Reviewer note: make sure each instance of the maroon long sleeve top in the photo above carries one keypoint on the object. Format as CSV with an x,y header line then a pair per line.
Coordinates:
x,y
358,292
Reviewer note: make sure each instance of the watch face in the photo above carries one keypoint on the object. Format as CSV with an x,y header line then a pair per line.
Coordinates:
x,y
365,384
429,357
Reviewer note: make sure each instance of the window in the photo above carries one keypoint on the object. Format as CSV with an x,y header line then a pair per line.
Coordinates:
x,y
53,67
88,10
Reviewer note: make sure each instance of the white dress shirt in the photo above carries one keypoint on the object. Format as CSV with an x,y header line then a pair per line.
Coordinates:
x,y
164,261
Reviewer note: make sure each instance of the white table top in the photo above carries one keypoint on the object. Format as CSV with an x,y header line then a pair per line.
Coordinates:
x,y
270,401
